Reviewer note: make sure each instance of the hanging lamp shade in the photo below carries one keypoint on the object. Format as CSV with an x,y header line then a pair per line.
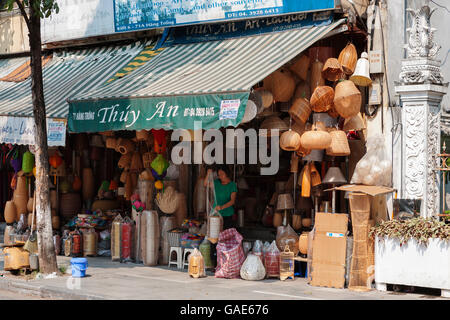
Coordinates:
x,y
273,122
267,97
361,76
356,123
332,70
250,112
334,176
347,58
285,202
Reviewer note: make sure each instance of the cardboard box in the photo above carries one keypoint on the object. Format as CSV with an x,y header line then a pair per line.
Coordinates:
x,y
329,250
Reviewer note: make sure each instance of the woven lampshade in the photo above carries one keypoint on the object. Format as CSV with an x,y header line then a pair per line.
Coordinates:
x,y
285,202
356,123
274,122
334,176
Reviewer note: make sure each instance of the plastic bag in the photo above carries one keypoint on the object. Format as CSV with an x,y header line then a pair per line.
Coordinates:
x,y
287,236
258,250
266,247
196,264
272,260
375,167
253,268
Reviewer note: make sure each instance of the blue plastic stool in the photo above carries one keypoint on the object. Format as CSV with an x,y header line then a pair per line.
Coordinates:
x,y
79,267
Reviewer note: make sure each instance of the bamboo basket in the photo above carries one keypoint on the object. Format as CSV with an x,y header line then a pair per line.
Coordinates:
x,y
332,70
355,123
273,122
88,189
347,99
267,82
283,85
267,97
348,58
322,99
290,140
339,144
316,139
300,110
303,90
125,146
301,66
316,75
10,212
125,160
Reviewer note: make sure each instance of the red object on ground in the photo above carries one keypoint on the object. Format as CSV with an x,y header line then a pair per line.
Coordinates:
x,y
126,241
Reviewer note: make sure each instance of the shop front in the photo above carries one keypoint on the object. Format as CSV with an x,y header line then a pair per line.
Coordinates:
x,y
294,85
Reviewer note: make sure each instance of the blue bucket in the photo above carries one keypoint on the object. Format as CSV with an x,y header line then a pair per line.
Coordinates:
x,y
79,267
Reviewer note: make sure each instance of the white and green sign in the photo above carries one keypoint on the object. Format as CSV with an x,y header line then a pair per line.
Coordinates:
x,y
176,112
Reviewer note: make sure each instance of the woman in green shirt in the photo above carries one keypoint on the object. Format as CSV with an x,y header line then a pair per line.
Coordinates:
x,y
226,191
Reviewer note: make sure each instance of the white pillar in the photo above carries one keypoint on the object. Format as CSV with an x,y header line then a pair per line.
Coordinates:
x,y
421,117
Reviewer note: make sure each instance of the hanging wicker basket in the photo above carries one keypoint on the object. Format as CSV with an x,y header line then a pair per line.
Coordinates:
x,y
301,66
332,70
316,139
290,141
322,99
316,75
302,91
300,110
348,58
347,99
339,144
283,85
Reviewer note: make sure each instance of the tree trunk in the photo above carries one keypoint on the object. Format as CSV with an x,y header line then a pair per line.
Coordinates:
x,y
47,255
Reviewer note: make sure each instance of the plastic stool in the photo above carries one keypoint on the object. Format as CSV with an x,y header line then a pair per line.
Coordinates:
x,y
179,261
186,252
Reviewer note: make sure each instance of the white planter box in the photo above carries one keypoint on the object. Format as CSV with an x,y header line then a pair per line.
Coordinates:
x,y
413,264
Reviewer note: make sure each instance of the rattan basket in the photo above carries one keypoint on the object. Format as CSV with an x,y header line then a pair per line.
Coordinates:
x,y
174,238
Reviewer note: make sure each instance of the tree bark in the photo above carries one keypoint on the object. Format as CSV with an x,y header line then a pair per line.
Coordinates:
x,y
47,255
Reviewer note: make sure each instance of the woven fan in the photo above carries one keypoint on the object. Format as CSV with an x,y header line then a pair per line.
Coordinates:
x,y
167,200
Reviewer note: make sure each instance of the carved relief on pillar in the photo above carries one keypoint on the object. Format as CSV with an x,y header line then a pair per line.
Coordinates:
x,y
432,204
415,171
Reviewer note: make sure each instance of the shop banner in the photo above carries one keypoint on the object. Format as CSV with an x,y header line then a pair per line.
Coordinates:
x,y
244,28
21,130
132,15
176,112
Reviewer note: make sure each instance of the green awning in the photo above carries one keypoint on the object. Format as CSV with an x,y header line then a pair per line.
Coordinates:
x,y
208,82
70,72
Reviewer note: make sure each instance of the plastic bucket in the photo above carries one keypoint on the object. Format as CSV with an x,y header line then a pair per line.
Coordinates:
x,y
79,267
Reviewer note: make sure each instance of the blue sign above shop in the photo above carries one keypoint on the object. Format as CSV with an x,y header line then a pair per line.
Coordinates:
x,y
243,28
130,15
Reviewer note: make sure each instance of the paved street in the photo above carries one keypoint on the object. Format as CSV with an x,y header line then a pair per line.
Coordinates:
x,y
113,280
11,295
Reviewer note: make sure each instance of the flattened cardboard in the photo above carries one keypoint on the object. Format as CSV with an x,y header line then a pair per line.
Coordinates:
x,y
329,247
370,190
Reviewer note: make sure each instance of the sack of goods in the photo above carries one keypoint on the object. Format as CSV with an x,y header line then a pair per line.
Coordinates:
x,y
375,167
196,265
230,254
253,269
272,261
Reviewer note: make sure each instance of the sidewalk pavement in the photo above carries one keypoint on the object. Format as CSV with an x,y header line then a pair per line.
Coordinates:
x,y
113,280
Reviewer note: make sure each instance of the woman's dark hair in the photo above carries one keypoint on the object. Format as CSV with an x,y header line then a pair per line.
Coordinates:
x,y
224,168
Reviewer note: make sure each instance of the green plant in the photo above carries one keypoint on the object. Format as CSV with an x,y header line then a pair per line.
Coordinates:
x,y
63,269
420,229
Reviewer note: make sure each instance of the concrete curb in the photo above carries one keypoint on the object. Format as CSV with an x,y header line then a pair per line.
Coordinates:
x,y
24,287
